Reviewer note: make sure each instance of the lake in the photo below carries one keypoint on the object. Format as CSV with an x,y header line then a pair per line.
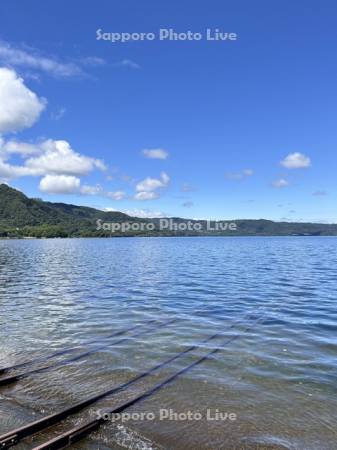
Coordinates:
x,y
273,299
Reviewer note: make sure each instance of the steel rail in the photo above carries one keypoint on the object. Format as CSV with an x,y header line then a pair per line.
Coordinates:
x,y
39,359
14,437
17,377
79,432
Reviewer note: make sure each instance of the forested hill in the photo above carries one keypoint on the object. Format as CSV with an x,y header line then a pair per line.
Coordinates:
x,y
21,216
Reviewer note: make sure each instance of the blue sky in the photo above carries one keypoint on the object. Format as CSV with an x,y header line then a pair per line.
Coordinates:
x,y
202,129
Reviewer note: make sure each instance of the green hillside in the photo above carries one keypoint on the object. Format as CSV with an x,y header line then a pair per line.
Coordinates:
x,y
21,216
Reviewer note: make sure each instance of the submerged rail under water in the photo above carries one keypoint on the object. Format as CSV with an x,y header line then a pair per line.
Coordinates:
x,y
17,377
77,433
39,359
15,436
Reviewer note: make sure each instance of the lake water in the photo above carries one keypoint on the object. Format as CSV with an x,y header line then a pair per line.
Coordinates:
x,y
278,376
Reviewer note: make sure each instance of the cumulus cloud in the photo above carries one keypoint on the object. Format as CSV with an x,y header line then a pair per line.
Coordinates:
x,y
48,157
281,183
19,107
60,184
148,188
151,184
146,195
58,157
296,161
68,184
91,190
117,195
8,171
98,190
239,175
155,153
59,165
8,148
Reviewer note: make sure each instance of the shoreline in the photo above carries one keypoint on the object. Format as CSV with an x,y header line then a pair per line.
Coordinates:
x,y
18,238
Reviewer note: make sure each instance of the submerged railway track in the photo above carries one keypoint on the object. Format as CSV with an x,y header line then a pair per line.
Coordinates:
x,y
14,437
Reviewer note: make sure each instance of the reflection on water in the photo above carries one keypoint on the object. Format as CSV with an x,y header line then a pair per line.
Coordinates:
x,y
279,377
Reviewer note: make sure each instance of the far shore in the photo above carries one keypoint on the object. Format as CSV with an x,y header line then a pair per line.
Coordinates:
x,y
168,236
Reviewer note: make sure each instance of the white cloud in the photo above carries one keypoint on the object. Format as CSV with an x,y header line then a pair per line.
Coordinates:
x,y
239,175
19,107
127,63
54,160
8,171
98,190
146,195
109,209
91,190
68,184
141,213
57,157
155,153
151,184
24,149
147,189
45,158
93,61
144,213
60,184
281,183
32,59
58,164
116,195
296,161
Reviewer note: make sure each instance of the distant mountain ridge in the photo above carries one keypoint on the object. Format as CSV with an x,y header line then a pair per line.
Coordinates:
x,y
21,216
